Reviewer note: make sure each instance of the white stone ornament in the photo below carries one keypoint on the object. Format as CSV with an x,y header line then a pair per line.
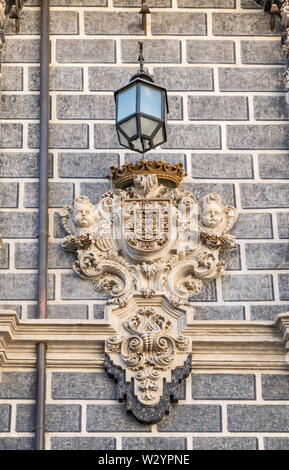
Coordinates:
x,y
148,239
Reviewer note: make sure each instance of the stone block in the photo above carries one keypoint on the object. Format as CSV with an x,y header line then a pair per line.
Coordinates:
x,y
273,166
179,23
85,51
246,24
275,387
59,194
283,224
8,195
19,224
276,443
22,286
109,78
60,78
207,4
221,165
10,136
267,256
200,190
26,256
193,136
124,23
98,311
259,137
86,165
210,52
5,417
105,137
156,50
220,108
246,287
262,52
4,256
184,78
267,312
83,443
270,108
154,443
213,312
251,79
20,107
264,195
283,280
17,443
14,307
192,418
258,418
171,158
82,386
18,385
12,79
61,22
112,418
233,259
135,3
62,136
58,229
94,190
223,387
253,225
75,288
22,51
22,165
85,107
225,443
250,4
62,311
59,418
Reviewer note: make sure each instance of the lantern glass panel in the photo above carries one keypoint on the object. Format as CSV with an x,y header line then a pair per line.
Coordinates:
x,y
129,127
126,103
148,126
150,101
123,140
159,137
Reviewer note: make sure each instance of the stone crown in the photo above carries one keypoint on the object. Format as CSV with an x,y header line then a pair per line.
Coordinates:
x,y
165,172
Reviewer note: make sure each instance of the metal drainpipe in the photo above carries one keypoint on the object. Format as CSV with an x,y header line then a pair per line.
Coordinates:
x,y
43,224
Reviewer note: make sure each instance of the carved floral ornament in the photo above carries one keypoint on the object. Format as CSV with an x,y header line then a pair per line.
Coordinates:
x,y
150,247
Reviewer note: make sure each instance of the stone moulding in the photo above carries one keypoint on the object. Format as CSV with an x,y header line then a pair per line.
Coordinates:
x,y
215,345
152,362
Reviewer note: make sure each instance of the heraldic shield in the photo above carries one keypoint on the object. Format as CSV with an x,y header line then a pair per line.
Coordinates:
x,y
146,223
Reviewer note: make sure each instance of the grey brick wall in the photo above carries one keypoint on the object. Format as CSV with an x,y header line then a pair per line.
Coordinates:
x,y
228,124
219,411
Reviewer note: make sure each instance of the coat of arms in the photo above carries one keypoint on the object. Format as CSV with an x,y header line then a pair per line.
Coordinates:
x,y
150,247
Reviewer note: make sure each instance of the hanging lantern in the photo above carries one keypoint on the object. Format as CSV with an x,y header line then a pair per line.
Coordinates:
x,y
141,110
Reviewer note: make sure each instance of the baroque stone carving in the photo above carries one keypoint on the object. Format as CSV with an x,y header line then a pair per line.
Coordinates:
x,y
148,238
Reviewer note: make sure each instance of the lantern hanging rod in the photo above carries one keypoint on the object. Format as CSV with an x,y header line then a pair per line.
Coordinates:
x,y
142,71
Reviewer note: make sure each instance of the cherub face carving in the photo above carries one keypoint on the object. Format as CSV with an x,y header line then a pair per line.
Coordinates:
x,y
83,213
212,215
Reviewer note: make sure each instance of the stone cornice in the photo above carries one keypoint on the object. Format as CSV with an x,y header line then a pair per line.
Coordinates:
x,y
217,345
